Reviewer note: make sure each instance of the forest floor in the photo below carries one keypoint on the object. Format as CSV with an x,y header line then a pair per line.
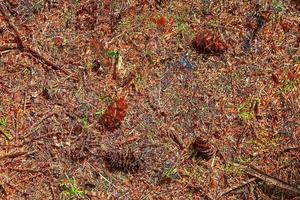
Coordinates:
x,y
157,99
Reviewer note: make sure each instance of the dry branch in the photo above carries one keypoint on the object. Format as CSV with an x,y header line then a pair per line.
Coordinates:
x,y
12,26
234,188
35,126
13,155
7,48
23,48
270,179
36,55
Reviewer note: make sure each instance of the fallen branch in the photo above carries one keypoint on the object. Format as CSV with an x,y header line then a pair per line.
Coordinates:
x,y
13,155
234,188
34,127
36,55
270,179
7,48
12,26
23,48
22,170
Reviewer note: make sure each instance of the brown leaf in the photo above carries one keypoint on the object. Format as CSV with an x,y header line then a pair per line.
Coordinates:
x,y
286,26
131,138
96,46
161,22
114,114
57,41
275,78
212,184
208,42
292,76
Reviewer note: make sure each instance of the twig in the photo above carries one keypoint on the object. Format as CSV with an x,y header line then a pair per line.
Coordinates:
x,y
13,155
34,127
36,55
52,191
229,190
270,179
25,170
102,177
121,34
23,48
7,48
39,138
12,26
199,189
15,187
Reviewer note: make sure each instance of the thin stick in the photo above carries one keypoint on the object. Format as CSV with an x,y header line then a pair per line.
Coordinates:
x,y
229,190
12,26
36,55
270,179
13,155
7,48
34,127
23,48
238,186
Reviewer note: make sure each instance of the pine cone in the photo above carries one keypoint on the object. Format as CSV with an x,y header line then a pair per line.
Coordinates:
x,y
203,149
114,114
207,42
122,160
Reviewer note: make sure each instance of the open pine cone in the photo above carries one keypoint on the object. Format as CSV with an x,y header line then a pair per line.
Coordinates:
x,y
203,149
123,160
208,42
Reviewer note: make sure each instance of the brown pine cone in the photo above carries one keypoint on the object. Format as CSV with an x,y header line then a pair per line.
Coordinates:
x,y
123,160
208,42
203,149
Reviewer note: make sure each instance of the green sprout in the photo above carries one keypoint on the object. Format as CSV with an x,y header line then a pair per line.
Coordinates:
x,y
277,5
3,131
244,161
147,53
88,66
70,189
37,6
181,27
113,54
84,122
100,112
77,94
170,173
3,123
213,23
246,110
287,87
